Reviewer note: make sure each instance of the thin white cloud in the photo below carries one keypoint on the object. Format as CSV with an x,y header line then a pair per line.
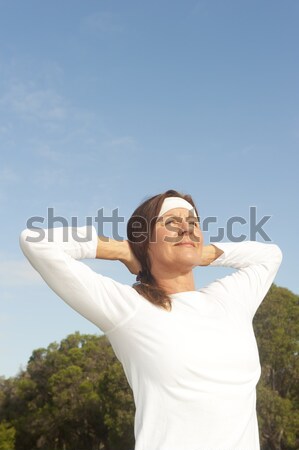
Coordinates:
x,y
30,102
7,175
5,129
121,141
49,177
15,272
45,152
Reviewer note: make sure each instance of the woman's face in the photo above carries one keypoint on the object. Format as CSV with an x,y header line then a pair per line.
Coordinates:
x,y
176,244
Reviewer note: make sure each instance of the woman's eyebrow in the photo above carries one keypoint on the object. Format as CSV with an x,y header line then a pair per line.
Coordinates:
x,y
172,216
189,217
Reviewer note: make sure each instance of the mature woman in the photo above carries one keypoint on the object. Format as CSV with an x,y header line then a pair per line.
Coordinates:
x,y
190,356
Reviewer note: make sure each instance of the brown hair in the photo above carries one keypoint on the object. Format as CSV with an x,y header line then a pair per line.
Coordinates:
x,y
140,229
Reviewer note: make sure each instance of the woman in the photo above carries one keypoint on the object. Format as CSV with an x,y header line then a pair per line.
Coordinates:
x,y
190,356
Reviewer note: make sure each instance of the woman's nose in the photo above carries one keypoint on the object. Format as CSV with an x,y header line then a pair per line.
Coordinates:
x,y
184,227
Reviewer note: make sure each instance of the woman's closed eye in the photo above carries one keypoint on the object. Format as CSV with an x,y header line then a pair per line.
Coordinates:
x,y
173,221
177,222
194,222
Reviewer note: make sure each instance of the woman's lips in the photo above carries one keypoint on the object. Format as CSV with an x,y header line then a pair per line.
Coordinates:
x,y
188,244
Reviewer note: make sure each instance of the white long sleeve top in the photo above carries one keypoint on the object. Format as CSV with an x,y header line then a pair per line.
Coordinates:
x,y
193,371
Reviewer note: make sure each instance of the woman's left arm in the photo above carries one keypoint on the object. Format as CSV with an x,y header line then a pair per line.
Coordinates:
x,y
257,265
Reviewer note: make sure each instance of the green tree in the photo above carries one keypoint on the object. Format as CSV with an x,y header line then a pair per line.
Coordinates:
x,y
7,436
276,326
55,403
278,420
118,407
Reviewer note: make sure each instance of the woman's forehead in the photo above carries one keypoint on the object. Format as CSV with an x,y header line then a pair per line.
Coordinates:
x,y
179,212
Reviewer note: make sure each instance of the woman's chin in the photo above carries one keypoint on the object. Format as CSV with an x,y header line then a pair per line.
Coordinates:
x,y
188,260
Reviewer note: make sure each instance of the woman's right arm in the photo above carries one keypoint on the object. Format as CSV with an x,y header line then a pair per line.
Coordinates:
x,y
56,254
117,250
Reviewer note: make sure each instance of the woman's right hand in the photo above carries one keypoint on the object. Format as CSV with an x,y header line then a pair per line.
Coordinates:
x,y
118,250
130,260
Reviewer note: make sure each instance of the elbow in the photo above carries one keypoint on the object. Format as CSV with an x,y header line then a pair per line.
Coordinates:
x,y
29,238
23,240
277,255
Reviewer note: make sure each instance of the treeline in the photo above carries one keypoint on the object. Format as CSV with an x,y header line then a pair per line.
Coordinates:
x,y
74,395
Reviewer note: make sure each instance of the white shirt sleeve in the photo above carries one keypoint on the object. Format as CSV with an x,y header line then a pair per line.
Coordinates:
x,y
56,254
257,265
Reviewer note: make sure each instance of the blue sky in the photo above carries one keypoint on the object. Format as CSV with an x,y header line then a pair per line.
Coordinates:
x,y
104,103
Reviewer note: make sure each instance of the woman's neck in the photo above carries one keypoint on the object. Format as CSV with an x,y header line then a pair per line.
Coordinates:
x,y
173,284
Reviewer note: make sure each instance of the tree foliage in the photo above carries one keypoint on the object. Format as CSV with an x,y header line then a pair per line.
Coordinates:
x,y
59,403
7,436
74,395
276,326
